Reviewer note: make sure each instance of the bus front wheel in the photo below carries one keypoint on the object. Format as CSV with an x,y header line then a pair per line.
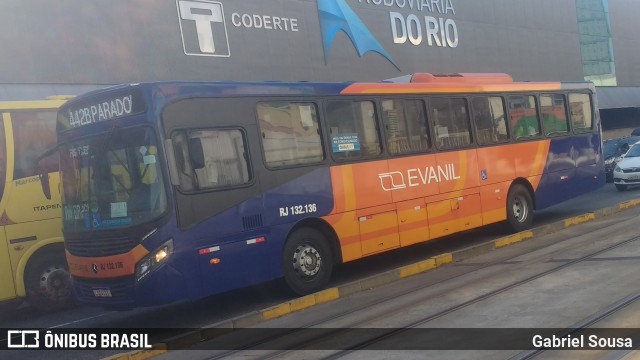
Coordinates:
x,y
306,261
519,208
48,283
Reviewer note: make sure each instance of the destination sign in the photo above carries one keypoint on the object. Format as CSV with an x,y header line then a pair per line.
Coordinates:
x,y
105,108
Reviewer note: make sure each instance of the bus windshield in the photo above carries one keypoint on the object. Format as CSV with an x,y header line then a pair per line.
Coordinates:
x,y
112,180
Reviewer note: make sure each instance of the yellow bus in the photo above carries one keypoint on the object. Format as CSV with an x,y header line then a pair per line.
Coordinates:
x,y
32,261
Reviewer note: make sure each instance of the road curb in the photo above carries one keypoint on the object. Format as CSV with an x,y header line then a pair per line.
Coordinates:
x,y
331,294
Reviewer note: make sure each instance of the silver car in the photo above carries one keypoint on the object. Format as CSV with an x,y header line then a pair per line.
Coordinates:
x,y
627,171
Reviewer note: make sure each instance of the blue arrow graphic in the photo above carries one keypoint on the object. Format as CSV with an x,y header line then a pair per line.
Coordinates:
x,y
336,16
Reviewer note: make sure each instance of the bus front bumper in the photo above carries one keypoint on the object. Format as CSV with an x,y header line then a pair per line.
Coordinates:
x,y
165,285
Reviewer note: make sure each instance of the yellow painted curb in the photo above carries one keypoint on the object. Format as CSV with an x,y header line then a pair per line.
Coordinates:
x,y
302,303
276,311
629,204
327,295
418,268
446,258
158,349
579,219
513,239
146,354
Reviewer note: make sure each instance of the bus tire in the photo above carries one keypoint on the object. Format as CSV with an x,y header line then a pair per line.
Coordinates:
x,y
519,208
621,187
306,261
48,283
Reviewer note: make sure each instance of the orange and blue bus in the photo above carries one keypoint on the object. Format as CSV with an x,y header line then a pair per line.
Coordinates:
x,y
32,257
180,190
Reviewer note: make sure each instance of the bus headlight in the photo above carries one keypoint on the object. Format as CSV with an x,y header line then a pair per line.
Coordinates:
x,y
153,260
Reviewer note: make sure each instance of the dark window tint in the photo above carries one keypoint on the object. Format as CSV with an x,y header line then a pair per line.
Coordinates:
x,y
290,133
580,105
34,132
451,122
353,129
489,118
554,114
524,116
406,126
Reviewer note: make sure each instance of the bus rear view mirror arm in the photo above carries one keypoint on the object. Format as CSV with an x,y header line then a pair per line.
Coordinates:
x,y
43,172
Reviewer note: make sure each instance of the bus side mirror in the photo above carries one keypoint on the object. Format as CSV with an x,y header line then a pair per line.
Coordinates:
x,y
196,153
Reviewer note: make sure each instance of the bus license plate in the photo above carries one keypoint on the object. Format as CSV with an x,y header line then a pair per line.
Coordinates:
x,y
103,292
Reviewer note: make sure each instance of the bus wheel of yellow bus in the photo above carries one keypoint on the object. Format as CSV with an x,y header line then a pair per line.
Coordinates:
x,y
307,261
49,284
519,208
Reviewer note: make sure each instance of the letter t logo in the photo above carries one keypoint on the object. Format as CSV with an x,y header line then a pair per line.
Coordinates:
x,y
207,16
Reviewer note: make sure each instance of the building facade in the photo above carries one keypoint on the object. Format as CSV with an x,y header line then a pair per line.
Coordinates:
x,y
83,44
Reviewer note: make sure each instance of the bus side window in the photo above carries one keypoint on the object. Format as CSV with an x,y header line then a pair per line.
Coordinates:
x,y
219,158
34,132
290,133
406,126
554,114
3,158
581,117
525,122
353,129
489,119
451,122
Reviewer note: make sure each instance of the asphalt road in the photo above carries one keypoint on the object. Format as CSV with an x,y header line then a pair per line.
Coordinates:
x,y
217,308
578,281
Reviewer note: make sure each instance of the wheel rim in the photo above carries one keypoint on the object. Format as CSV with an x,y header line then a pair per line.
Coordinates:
x,y
306,261
54,284
520,208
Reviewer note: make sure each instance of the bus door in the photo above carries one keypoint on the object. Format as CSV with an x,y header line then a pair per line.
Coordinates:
x,y
375,212
33,216
7,287
586,142
458,208
560,167
455,171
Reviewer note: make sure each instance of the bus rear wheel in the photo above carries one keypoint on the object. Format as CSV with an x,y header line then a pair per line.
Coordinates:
x,y
307,261
48,284
519,208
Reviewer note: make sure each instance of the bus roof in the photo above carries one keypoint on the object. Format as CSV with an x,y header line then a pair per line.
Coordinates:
x,y
419,83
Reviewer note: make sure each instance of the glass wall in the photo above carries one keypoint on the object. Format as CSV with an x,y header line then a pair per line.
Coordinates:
x,y
595,42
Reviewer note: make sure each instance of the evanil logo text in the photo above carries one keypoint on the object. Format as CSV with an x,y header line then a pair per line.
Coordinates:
x,y
397,180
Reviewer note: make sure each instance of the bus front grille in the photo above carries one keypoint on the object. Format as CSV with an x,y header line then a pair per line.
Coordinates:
x,y
100,247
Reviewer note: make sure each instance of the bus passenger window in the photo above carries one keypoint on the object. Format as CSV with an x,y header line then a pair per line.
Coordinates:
x,y
221,158
489,119
581,112
34,132
406,126
524,116
353,129
554,114
451,122
290,133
